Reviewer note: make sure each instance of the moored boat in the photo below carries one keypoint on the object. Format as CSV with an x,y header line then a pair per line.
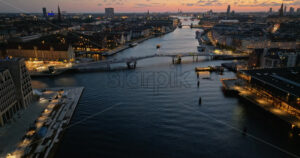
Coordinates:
x,y
210,68
133,44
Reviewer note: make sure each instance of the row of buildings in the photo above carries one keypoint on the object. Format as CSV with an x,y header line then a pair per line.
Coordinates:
x,y
271,40
94,37
274,58
252,35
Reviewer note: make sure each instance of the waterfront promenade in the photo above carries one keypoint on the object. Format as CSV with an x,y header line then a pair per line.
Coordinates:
x,y
282,110
269,104
126,46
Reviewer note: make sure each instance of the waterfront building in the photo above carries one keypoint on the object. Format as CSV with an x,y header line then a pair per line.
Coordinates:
x,y
21,79
8,102
274,57
50,48
281,85
109,12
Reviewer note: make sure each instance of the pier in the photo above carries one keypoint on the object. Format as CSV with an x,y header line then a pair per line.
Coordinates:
x,y
43,124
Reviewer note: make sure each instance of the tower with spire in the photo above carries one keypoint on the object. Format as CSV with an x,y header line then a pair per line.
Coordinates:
x,y
281,10
58,13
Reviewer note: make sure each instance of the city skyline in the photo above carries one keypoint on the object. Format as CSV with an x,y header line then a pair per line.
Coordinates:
x,y
98,6
149,78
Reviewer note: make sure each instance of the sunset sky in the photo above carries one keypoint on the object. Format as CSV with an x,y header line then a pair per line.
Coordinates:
x,y
143,5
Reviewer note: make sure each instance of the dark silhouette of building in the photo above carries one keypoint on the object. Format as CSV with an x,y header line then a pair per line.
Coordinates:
x,y
284,12
15,88
8,101
45,12
281,10
292,10
228,10
109,12
58,13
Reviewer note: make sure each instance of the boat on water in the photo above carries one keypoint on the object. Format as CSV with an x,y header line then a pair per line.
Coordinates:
x,y
210,68
133,44
206,78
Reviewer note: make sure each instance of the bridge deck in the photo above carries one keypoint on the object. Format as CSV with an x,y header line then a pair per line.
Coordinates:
x,y
173,55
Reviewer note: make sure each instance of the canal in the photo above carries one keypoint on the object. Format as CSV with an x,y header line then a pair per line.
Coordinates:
x,y
153,111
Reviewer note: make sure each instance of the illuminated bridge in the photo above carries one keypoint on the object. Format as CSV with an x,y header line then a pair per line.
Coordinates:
x,y
131,62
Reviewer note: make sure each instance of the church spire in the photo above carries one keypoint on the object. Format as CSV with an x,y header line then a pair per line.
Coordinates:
x,y
58,13
281,10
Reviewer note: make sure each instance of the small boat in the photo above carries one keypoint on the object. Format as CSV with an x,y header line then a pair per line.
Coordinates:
x,y
157,46
203,69
206,78
210,68
133,44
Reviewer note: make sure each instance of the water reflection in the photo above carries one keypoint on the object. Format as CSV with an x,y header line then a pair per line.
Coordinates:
x,y
66,81
38,84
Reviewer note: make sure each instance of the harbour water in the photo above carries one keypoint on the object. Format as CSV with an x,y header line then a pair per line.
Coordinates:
x,y
153,111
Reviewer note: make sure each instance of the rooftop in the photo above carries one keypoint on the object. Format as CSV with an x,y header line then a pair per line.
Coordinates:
x,y
286,79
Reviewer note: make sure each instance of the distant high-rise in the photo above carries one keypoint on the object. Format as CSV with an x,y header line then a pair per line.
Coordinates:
x,y
228,10
270,11
284,12
292,10
148,14
109,12
45,12
298,11
58,13
281,10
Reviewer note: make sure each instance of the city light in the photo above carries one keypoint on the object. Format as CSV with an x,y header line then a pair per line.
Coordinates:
x,y
151,78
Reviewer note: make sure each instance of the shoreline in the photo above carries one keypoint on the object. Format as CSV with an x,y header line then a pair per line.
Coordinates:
x,y
126,46
231,89
112,52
